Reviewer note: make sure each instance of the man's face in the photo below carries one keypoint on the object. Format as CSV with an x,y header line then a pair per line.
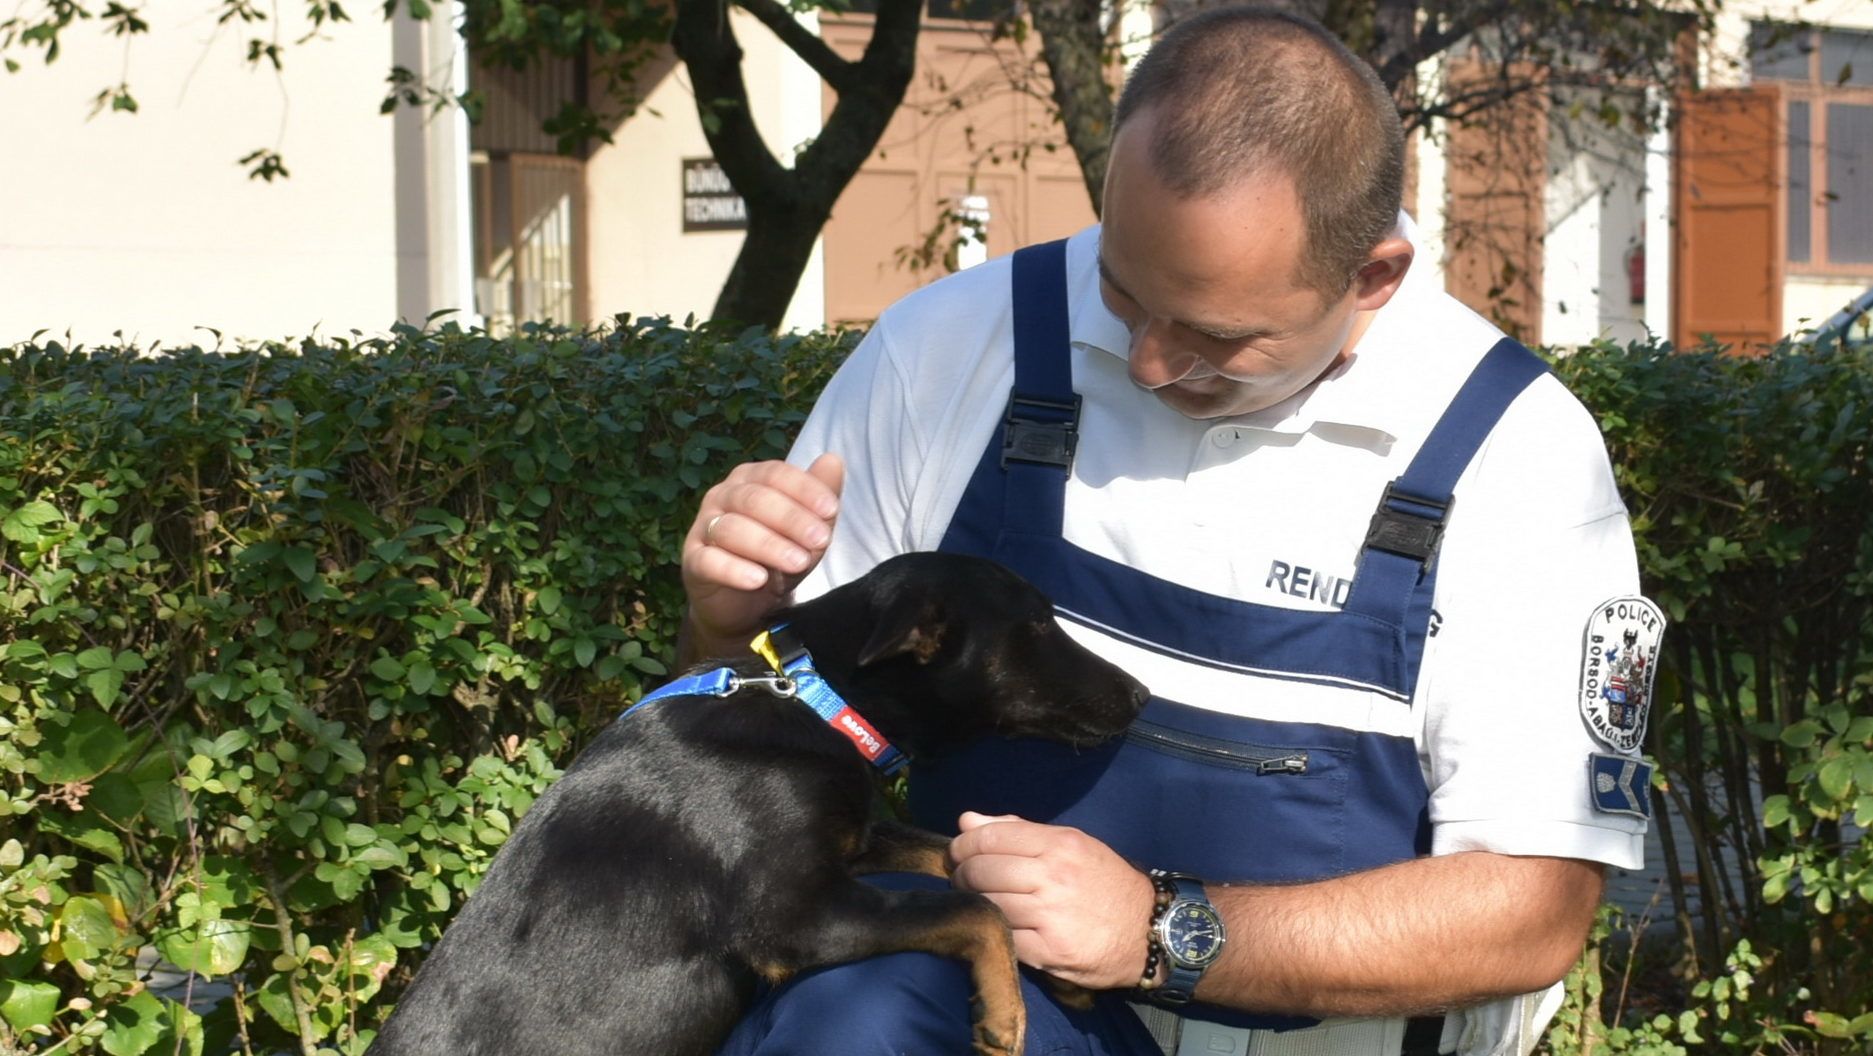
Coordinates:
x,y
1210,288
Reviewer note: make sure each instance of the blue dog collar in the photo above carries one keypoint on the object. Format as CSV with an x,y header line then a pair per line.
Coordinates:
x,y
795,677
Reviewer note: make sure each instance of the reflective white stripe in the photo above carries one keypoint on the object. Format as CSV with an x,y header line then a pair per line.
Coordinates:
x,y
1265,672
1252,695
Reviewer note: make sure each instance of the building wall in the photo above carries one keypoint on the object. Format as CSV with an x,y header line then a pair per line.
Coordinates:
x,y
1594,214
641,262
144,222
992,149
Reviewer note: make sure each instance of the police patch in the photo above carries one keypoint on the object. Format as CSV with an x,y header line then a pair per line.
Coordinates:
x,y
1620,784
1620,658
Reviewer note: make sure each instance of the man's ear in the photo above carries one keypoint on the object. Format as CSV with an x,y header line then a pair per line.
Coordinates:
x,y
1382,273
904,628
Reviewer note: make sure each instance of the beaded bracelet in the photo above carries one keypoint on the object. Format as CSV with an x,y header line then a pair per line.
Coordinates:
x,y
1162,892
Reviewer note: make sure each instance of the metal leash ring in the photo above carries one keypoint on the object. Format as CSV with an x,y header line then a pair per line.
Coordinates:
x,y
779,685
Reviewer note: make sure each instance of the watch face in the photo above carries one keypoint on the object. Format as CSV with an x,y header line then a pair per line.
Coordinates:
x,y
1192,933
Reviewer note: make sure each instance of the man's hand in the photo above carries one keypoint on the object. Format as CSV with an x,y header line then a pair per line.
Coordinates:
x,y
1078,910
755,536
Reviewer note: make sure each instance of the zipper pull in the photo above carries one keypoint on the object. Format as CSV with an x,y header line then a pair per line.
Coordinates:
x,y
1287,764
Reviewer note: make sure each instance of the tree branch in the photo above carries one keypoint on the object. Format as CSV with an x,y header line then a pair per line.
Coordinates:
x,y
877,85
706,43
812,50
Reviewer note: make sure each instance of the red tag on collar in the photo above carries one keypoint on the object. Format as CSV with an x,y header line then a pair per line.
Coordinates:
x,y
863,737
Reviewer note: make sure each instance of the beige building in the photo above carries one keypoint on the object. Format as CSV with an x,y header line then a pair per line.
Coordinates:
x,y
145,223
1747,220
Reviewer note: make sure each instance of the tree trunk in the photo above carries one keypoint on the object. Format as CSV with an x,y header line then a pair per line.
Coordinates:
x,y
787,207
1073,43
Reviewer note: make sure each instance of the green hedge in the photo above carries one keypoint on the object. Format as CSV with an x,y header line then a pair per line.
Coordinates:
x,y
290,636
1750,482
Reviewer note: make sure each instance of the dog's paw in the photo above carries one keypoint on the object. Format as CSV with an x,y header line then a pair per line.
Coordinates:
x,y
990,1041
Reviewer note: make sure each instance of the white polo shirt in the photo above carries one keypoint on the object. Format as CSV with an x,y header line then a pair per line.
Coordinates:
x,y
1272,508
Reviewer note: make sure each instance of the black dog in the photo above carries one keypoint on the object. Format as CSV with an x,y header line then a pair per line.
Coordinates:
x,y
702,844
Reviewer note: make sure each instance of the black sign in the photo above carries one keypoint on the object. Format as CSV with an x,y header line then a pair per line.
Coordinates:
x,y
709,200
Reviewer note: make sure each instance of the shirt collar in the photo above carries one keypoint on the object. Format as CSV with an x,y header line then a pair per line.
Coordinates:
x,y
1362,393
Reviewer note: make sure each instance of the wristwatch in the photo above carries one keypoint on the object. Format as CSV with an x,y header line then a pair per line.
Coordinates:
x,y
1188,930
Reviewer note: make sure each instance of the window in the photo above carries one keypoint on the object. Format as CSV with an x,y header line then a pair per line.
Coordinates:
x,y
1826,82
526,239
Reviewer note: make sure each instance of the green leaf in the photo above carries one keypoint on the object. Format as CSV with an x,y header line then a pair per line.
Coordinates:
x,y
276,1000
1802,734
22,525
136,1026
422,678
212,948
128,886
1829,1025
97,658
87,928
382,856
115,796
1836,777
549,599
583,650
258,554
302,562
26,1004
230,742
84,830
387,669
83,748
105,685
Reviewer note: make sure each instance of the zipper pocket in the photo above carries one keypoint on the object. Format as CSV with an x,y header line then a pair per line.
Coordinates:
x,y
1216,751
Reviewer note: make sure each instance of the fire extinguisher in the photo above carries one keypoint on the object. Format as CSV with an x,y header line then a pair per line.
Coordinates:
x,y
1635,272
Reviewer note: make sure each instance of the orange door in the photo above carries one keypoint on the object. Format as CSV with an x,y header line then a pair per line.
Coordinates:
x,y
1728,248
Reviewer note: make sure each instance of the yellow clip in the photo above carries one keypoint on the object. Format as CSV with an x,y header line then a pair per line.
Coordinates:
x,y
763,647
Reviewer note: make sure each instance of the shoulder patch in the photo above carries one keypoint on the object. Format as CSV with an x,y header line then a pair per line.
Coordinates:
x,y
1620,657
1620,784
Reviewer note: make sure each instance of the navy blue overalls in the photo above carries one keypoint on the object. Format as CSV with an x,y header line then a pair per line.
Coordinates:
x,y
1224,797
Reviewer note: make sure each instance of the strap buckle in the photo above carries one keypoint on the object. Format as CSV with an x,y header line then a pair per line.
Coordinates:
x,y
1038,440
1408,533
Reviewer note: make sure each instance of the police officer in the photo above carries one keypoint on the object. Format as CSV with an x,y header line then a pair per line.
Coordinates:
x,y
1365,552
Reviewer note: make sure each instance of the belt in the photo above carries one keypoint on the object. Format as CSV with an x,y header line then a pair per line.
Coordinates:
x,y
1419,1036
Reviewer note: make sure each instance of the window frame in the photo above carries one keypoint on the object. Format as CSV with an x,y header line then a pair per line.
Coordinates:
x,y
1818,93
1818,97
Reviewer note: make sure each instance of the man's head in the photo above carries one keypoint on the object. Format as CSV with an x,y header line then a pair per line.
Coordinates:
x,y
1250,209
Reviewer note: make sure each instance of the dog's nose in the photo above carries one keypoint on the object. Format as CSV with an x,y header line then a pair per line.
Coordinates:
x,y
1139,693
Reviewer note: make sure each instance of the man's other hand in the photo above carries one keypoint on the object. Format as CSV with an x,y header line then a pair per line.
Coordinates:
x,y
1078,910
756,535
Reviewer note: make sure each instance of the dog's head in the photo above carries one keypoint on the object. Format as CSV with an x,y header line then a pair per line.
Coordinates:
x,y
937,649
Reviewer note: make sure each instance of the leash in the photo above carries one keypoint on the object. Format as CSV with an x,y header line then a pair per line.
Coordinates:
x,y
794,677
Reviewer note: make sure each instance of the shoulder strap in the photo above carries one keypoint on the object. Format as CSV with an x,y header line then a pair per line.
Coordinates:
x,y
1408,526
1040,426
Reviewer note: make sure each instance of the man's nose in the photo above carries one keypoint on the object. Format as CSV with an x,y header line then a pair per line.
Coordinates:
x,y
1155,360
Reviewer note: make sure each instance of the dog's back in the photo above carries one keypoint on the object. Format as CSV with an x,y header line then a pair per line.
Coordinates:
x,y
671,832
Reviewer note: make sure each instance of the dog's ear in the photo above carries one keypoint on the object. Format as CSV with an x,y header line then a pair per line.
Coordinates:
x,y
904,628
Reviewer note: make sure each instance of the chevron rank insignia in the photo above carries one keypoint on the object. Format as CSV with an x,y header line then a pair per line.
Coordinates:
x,y
1620,784
1620,656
